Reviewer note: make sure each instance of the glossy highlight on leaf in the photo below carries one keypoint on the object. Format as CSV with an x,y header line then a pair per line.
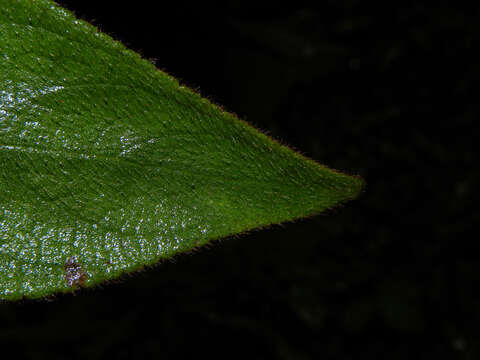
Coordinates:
x,y
108,164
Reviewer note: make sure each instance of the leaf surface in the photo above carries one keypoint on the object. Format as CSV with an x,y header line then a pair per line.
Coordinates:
x,y
108,164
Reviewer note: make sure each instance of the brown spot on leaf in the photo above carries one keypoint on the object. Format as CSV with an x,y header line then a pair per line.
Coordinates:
x,y
74,275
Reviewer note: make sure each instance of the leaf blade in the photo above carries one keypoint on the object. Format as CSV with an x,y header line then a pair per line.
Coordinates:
x,y
108,164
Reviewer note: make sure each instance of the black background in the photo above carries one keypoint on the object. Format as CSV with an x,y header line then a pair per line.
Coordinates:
x,y
387,92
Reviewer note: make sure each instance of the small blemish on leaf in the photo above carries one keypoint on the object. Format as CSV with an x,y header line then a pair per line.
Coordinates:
x,y
74,275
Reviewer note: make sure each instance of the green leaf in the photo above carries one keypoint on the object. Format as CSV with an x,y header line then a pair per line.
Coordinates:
x,y
108,164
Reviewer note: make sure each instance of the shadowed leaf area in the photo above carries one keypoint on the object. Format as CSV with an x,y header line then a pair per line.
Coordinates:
x,y
108,164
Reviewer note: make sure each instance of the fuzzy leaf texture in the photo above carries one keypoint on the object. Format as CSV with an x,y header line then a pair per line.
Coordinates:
x,y
108,164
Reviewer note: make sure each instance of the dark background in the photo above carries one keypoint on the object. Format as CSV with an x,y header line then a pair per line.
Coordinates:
x,y
387,92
